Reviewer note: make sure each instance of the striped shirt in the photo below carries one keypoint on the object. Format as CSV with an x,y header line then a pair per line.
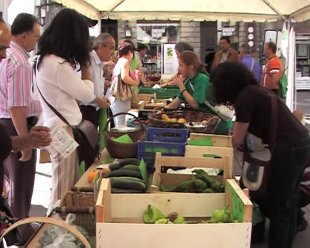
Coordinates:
x,y
16,82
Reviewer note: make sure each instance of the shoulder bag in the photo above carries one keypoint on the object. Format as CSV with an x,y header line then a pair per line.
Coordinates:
x,y
121,90
85,134
256,172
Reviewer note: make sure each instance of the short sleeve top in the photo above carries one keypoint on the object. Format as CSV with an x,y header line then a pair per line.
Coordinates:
x,y
197,87
253,105
272,67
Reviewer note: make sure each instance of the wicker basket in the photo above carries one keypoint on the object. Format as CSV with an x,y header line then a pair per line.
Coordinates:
x,y
34,241
191,116
121,150
82,204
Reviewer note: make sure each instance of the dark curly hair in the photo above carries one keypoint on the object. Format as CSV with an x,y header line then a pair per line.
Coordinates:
x,y
67,36
229,79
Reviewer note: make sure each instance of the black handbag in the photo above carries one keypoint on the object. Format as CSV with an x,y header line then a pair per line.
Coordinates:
x,y
85,134
256,172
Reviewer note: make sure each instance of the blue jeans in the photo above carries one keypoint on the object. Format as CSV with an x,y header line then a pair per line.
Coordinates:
x,y
287,166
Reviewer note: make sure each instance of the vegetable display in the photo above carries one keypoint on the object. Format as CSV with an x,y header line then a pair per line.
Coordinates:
x,y
153,215
200,183
127,176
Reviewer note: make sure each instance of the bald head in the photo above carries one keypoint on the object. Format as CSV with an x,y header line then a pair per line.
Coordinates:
x,y
5,39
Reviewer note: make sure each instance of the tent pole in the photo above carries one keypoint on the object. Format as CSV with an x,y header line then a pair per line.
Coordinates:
x,y
275,10
291,62
112,8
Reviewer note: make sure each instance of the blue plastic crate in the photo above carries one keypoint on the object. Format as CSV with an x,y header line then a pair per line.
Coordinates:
x,y
148,149
173,135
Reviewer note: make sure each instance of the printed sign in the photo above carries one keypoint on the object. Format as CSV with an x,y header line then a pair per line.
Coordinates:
x,y
170,65
62,143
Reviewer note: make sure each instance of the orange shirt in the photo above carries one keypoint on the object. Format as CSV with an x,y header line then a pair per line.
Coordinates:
x,y
273,66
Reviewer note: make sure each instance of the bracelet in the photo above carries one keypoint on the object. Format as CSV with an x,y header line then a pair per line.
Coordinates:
x,y
183,91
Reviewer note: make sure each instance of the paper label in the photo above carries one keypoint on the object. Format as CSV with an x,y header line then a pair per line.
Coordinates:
x,y
62,143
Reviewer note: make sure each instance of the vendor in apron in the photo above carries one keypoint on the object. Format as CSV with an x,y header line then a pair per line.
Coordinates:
x,y
195,89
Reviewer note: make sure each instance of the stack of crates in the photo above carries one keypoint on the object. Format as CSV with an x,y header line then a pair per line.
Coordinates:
x,y
168,141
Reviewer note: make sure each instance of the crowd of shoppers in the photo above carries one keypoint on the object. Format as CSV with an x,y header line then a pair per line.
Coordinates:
x,y
70,75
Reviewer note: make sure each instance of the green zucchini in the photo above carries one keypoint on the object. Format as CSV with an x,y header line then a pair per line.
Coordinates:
x,y
130,167
114,166
124,173
125,161
128,183
119,190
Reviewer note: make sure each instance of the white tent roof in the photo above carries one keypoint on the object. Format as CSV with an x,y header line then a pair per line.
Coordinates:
x,y
197,10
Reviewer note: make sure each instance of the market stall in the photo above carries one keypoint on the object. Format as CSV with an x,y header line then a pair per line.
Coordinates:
x,y
201,10
123,186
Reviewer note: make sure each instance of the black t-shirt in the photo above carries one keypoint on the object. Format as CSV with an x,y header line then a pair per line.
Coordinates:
x,y
253,105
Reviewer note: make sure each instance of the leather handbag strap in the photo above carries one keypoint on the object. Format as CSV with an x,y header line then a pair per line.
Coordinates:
x,y
47,220
53,109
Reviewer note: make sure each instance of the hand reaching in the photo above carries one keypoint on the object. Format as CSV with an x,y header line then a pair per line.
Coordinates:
x,y
39,136
104,103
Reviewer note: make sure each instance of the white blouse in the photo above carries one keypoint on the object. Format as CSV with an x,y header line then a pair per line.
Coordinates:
x,y
62,88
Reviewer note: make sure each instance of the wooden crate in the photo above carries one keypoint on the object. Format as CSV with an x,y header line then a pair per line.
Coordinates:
x,y
119,219
205,151
187,162
217,140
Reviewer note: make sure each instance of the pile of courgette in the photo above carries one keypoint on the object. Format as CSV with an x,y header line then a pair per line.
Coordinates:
x,y
127,176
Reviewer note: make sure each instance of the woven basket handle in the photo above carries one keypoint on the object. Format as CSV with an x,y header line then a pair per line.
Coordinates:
x,y
123,113
47,220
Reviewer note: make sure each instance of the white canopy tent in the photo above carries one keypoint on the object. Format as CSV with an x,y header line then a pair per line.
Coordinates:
x,y
196,10
205,10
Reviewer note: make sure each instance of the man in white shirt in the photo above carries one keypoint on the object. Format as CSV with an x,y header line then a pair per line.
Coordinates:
x,y
103,49
141,53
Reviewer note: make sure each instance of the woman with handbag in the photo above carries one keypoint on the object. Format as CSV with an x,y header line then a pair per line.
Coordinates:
x,y
123,80
290,151
195,87
62,50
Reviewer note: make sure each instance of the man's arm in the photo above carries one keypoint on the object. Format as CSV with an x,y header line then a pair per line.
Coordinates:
x,y
19,119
